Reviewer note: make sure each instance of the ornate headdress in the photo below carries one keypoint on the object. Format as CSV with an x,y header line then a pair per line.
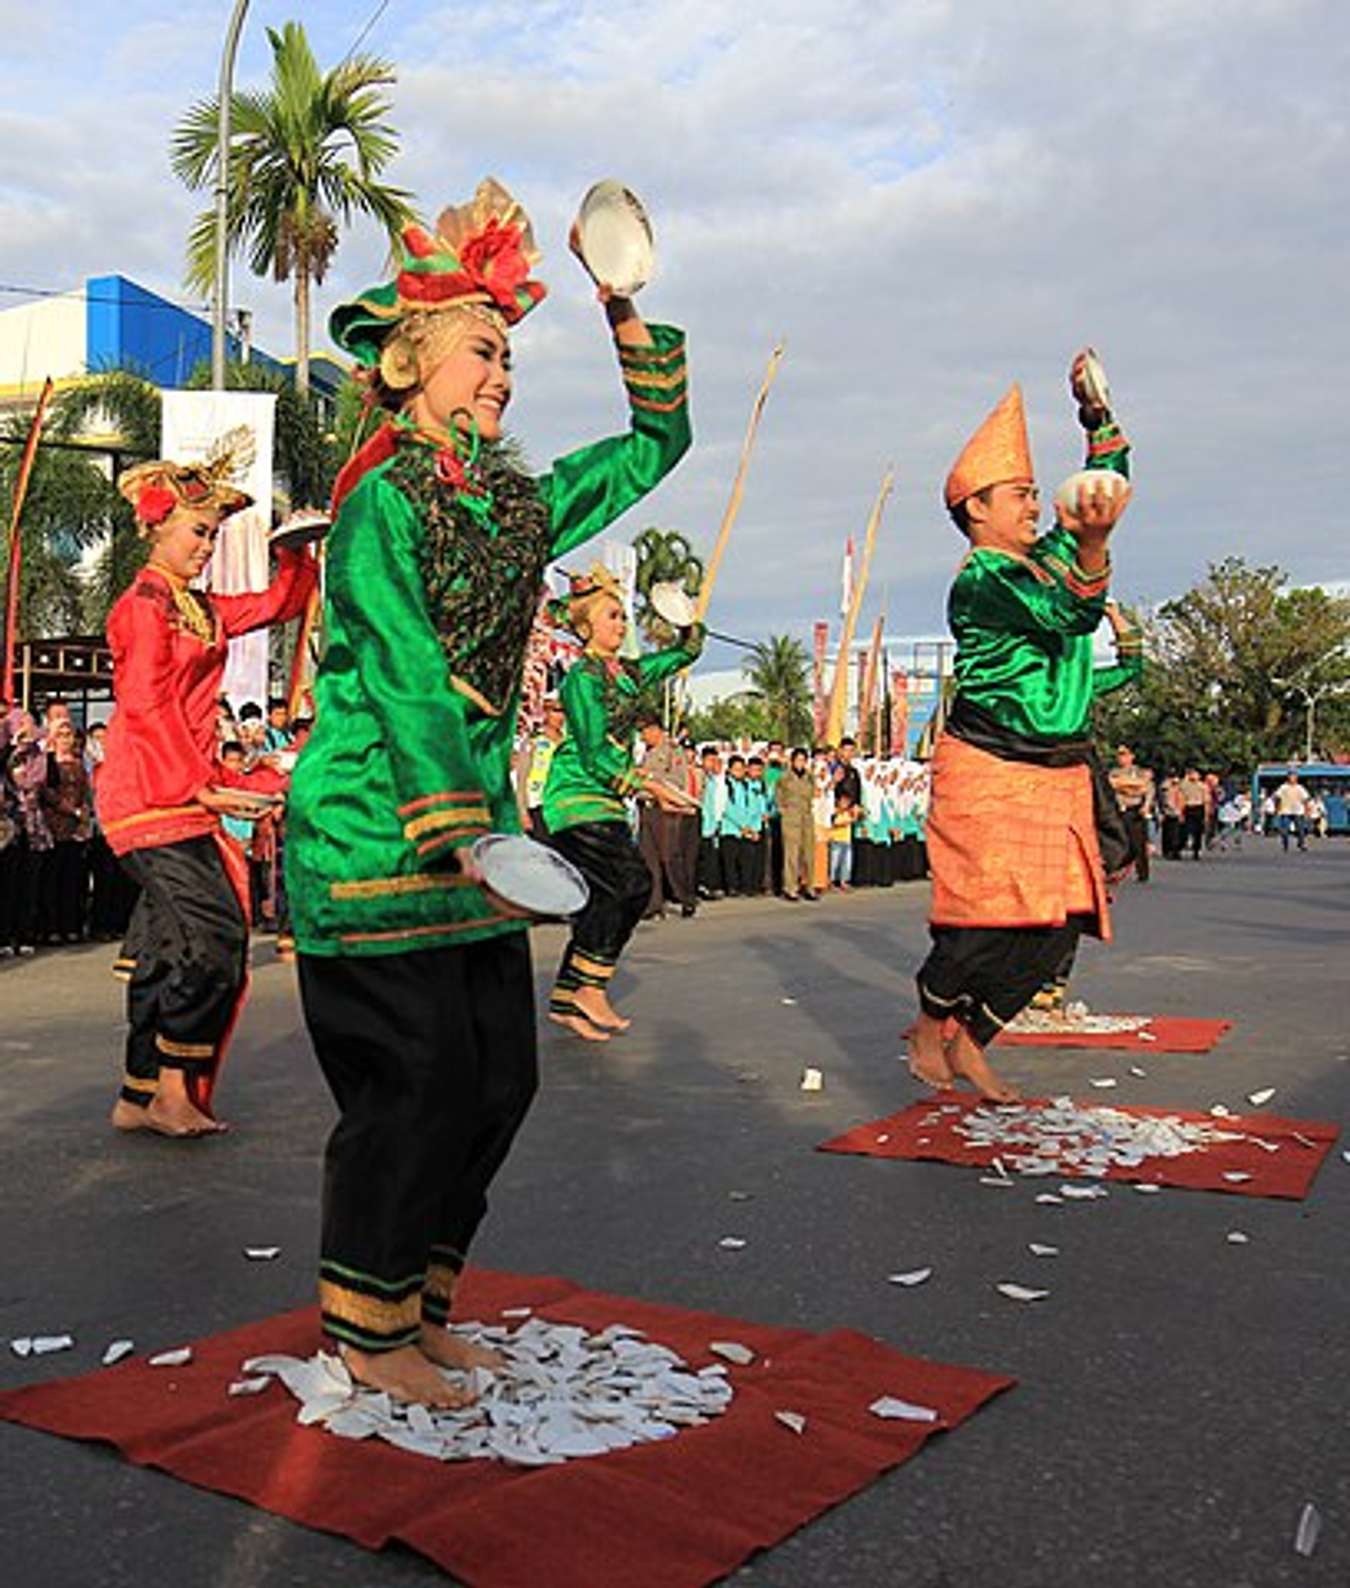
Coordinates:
x,y
478,259
997,454
582,589
155,489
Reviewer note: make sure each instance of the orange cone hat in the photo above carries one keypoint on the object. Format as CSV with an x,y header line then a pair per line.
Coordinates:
x,y
997,453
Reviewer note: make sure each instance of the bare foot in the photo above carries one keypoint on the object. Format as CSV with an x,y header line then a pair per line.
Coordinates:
x,y
455,1351
165,1117
596,1007
928,1062
172,1116
128,1116
967,1059
407,1375
580,1026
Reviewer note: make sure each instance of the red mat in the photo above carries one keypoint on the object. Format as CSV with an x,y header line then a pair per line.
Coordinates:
x,y
676,1514
1170,1034
1288,1172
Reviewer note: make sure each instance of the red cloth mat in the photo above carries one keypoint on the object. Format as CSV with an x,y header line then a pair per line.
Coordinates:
x,y
1169,1033
676,1514
1289,1172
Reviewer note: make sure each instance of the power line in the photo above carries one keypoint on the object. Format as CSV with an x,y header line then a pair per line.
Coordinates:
x,y
357,41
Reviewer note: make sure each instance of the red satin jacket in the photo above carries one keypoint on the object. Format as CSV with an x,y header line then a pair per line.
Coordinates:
x,y
169,646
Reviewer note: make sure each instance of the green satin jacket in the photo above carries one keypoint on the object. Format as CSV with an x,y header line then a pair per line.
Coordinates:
x,y
427,613
1024,625
592,773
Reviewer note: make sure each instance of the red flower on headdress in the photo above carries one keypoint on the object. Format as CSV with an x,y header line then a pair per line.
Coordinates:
x,y
154,503
495,259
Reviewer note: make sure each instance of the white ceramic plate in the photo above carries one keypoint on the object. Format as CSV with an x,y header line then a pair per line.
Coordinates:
x,y
531,876
673,602
615,238
300,529
1092,380
1093,479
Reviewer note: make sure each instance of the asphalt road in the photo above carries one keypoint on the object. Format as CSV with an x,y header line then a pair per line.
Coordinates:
x,y
1179,1398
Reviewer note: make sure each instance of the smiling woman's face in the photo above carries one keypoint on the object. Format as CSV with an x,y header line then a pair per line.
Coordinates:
x,y
183,543
472,379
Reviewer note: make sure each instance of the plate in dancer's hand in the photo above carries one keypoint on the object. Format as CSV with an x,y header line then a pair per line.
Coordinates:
x,y
1090,481
530,876
673,602
1087,380
299,529
614,239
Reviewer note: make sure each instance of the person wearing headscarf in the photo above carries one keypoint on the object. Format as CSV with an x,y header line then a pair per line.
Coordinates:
x,y
157,793
414,978
1012,829
592,778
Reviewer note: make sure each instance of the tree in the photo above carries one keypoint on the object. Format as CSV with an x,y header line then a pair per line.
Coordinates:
x,y
303,155
663,557
779,676
1229,664
735,717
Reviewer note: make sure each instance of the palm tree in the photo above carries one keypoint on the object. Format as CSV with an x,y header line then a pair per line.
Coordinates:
x,y
779,673
303,154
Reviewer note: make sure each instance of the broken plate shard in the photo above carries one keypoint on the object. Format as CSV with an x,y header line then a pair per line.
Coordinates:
x,y
892,1407
1021,1292
1083,1193
262,1254
1258,1099
915,1276
248,1386
996,1179
740,1196
1038,1249
732,1351
172,1358
1147,1188
731,1243
116,1351
22,1346
1236,1176
812,1080
1048,1199
44,1344
1237,1238
1102,1081
788,1001
1139,1074
793,1420
1308,1531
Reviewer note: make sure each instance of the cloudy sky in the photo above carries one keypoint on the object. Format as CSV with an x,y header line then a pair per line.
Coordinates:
x,y
925,198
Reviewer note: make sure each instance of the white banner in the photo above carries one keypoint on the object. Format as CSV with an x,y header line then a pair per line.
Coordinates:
x,y
192,423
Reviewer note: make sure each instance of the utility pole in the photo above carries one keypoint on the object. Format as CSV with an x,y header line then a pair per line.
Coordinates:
x,y
221,286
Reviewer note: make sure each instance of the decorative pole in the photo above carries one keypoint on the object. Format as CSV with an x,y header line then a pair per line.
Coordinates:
x,y
834,726
16,543
738,486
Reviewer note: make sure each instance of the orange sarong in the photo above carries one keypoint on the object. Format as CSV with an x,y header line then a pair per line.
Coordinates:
x,y
1011,843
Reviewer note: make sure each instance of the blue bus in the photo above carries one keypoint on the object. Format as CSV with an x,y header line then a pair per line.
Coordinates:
x,y
1331,784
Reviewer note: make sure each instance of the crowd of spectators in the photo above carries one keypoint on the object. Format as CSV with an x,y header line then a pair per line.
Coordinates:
x,y
761,819
59,882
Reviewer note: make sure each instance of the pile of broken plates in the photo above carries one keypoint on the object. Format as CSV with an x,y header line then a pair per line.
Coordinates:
x,y
562,1392
1074,1018
1063,1138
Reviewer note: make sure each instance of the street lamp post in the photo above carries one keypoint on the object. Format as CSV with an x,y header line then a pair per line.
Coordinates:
x,y
221,284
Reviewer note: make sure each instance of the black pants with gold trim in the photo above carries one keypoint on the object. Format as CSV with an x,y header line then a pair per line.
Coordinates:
x,y
430,1057
185,958
984,976
620,884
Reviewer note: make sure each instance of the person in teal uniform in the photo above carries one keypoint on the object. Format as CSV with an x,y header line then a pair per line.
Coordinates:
x,y
415,980
590,782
